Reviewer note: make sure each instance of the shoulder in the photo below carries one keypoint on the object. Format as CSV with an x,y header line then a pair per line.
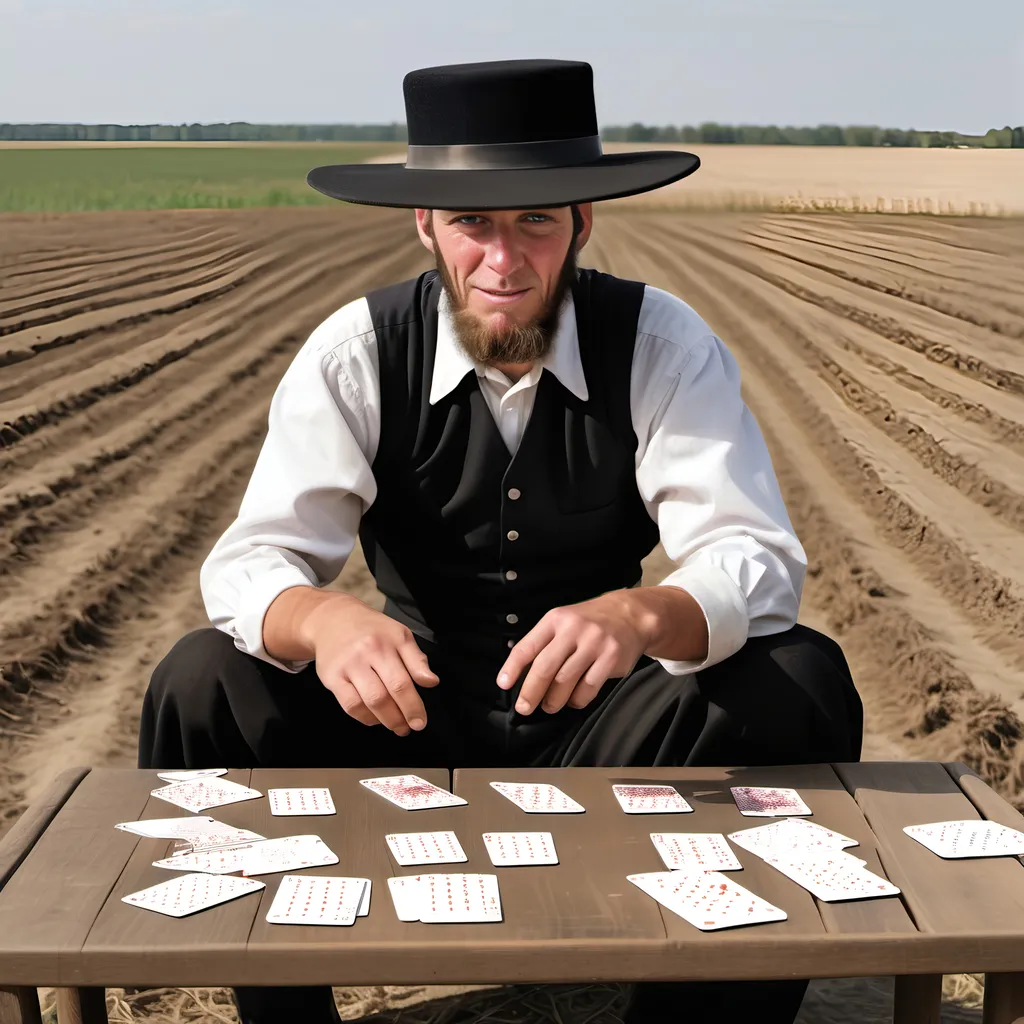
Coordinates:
x,y
671,328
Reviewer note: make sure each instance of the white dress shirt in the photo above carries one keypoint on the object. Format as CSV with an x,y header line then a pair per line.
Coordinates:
x,y
702,469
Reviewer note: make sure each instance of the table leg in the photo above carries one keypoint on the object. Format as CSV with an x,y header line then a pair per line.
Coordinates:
x,y
917,999
1004,999
19,1006
81,1006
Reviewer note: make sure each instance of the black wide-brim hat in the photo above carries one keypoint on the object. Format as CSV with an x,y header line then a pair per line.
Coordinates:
x,y
502,135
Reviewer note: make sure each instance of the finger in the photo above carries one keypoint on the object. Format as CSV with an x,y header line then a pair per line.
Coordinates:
x,y
593,679
416,664
395,676
542,671
374,694
565,681
352,704
524,652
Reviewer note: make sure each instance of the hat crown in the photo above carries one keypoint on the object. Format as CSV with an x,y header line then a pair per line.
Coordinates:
x,y
500,102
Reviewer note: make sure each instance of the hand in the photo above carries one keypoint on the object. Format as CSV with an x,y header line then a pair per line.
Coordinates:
x,y
371,664
575,649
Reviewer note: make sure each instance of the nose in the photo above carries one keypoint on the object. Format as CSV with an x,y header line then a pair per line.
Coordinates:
x,y
504,255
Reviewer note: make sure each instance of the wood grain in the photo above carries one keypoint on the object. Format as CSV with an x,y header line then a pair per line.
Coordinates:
x,y
48,906
120,929
962,896
1004,999
19,1006
917,999
30,826
81,1006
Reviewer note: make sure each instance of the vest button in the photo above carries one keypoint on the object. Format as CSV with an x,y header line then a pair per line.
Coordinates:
x,y
514,493
512,535
511,643
512,618
511,574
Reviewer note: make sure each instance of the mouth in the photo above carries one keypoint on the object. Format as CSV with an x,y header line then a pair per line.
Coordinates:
x,y
502,298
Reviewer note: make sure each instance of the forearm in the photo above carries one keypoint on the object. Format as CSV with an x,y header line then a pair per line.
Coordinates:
x,y
672,622
287,632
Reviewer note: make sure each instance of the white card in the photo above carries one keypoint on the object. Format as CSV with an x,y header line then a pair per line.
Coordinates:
x,y
425,847
831,875
171,828
510,848
458,897
790,833
650,799
411,793
317,899
186,894
968,838
263,858
188,774
768,802
200,794
300,801
538,797
708,900
405,894
700,851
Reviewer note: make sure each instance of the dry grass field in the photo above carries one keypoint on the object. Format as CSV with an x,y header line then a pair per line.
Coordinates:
x,y
880,354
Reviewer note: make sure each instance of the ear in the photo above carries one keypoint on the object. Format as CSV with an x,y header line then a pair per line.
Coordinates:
x,y
587,216
424,228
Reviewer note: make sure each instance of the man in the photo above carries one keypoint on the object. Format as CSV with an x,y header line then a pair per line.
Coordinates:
x,y
508,436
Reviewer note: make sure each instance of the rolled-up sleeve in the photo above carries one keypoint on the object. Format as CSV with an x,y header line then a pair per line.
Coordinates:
x,y
707,479
299,516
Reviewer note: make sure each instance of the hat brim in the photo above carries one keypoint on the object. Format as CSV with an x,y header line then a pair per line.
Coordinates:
x,y
613,176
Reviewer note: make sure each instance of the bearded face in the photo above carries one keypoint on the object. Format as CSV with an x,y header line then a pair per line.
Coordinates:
x,y
506,275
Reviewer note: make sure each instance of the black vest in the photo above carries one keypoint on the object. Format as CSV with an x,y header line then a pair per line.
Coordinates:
x,y
470,545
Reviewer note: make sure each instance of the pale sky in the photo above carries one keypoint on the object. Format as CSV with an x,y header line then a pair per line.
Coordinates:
x,y
926,64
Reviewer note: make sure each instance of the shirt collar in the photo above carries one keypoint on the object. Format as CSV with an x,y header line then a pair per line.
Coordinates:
x,y
452,363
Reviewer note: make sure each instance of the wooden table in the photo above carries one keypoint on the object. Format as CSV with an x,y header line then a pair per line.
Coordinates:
x,y
64,869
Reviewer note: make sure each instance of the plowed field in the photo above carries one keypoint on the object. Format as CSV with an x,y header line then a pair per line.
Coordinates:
x,y
882,356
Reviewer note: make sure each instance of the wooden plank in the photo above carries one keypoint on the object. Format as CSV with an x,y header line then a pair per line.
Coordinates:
x,y
19,1006
49,904
917,999
986,800
121,931
81,1006
952,897
1004,999
30,826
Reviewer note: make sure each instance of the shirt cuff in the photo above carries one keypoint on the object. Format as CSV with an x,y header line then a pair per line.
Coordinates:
x,y
725,611
254,601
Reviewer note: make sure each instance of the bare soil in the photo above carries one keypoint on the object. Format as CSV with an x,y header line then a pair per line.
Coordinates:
x,y
880,354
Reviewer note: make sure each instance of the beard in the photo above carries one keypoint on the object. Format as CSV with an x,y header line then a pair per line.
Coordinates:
x,y
516,343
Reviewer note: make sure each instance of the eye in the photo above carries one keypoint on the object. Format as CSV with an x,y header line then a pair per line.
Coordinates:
x,y
538,218
468,219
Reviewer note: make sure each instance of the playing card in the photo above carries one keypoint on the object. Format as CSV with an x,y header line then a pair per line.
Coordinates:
x,y
708,899
198,833
411,793
317,899
405,894
188,774
263,858
425,847
650,800
766,802
968,838
831,875
200,794
700,851
458,897
300,801
510,848
186,894
790,833
538,797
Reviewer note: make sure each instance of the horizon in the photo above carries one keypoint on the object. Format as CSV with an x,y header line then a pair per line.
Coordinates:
x,y
800,63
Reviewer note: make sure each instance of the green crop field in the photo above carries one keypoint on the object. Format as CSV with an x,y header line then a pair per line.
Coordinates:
x,y
168,177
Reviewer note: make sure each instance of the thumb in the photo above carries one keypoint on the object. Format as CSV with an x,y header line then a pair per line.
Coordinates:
x,y
418,666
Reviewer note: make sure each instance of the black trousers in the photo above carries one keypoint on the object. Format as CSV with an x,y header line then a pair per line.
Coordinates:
x,y
787,698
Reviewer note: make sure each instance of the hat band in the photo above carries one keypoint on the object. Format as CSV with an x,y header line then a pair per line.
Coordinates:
x,y
505,156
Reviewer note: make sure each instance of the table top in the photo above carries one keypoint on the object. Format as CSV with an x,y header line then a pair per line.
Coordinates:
x,y
64,869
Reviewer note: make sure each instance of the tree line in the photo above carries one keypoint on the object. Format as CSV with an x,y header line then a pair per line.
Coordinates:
x,y
708,132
